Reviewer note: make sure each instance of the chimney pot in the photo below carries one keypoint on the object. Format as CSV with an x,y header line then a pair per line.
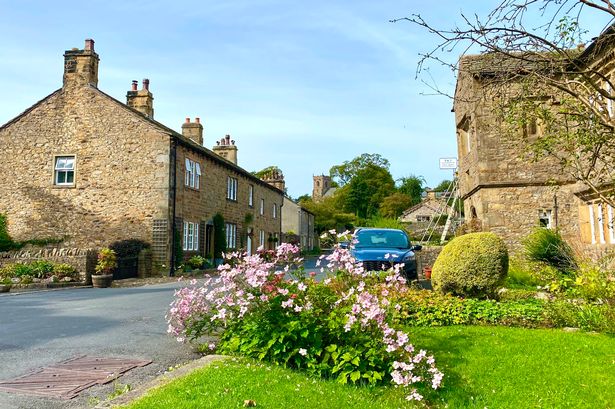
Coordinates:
x,y
187,119
134,85
146,84
89,44
198,120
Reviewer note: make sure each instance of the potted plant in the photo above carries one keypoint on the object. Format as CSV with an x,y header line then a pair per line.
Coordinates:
x,y
107,262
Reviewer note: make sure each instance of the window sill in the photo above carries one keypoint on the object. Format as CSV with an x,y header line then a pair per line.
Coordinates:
x,y
194,189
63,186
231,200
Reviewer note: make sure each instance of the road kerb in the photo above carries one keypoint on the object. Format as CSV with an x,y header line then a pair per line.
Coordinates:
x,y
160,380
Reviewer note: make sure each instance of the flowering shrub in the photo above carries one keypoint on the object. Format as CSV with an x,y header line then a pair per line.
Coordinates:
x,y
264,306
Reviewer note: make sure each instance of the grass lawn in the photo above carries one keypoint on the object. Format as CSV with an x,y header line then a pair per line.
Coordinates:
x,y
484,367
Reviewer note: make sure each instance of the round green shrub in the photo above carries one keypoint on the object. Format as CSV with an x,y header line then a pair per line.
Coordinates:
x,y
472,265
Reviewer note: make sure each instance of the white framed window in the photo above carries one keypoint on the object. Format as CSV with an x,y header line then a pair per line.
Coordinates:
x,y
193,174
231,188
611,227
609,101
191,236
251,195
231,235
261,238
601,224
262,209
64,171
274,212
545,219
592,228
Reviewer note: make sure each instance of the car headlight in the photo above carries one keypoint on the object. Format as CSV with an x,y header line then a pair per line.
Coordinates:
x,y
410,257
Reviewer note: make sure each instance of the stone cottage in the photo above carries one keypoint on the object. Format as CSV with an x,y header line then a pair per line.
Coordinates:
x,y
506,192
433,205
81,165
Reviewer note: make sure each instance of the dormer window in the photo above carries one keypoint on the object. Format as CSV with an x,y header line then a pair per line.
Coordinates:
x,y
64,171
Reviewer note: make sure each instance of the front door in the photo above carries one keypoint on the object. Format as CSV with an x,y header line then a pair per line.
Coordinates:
x,y
249,241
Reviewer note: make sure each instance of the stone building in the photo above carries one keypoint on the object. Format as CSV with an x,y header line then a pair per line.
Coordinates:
x,y
322,187
504,190
433,205
91,169
298,224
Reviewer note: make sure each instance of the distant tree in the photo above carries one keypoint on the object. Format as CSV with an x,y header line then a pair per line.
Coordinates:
x,y
394,205
349,169
303,198
365,191
327,215
412,186
264,172
444,186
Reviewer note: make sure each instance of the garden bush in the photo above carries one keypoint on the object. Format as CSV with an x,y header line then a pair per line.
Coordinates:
x,y
423,308
341,327
40,269
547,246
581,314
6,243
128,247
472,265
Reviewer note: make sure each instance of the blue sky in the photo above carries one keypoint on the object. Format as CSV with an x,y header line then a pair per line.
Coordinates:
x,y
301,85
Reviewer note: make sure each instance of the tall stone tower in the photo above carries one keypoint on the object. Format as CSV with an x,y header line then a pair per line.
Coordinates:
x,y
322,183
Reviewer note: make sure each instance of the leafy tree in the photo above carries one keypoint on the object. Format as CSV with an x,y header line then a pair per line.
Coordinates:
x,y
349,169
268,170
539,78
327,215
444,186
413,187
363,194
303,198
394,205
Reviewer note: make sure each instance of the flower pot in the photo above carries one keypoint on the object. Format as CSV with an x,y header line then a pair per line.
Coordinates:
x,y
5,288
102,281
427,273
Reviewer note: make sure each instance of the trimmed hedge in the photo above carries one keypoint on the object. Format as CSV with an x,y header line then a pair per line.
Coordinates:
x,y
472,265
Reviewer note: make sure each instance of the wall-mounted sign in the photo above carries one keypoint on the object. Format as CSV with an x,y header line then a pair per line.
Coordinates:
x,y
448,163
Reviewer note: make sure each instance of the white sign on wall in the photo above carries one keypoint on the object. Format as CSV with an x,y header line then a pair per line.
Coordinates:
x,y
448,163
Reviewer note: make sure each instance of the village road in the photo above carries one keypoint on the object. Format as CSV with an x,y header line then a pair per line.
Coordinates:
x,y
43,328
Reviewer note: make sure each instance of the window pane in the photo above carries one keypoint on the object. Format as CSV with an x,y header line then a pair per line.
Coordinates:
x,y
70,177
70,163
60,177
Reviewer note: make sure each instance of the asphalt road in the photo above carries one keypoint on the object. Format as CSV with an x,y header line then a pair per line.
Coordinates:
x,y
44,328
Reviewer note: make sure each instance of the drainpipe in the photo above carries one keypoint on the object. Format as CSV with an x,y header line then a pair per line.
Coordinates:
x,y
555,211
173,165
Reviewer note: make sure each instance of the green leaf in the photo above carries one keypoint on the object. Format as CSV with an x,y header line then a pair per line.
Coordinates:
x,y
355,376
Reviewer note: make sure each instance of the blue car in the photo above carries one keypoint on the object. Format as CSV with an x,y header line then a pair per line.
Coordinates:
x,y
371,245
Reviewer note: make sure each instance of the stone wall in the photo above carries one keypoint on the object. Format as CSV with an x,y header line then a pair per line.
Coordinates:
x,y
427,257
83,260
121,176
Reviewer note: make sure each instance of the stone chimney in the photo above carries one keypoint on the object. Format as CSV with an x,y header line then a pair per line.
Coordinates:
x,y
142,100
226,148
193,130
81,66
276,179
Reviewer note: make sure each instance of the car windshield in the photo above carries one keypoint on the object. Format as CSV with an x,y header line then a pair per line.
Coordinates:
x,y
381,239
